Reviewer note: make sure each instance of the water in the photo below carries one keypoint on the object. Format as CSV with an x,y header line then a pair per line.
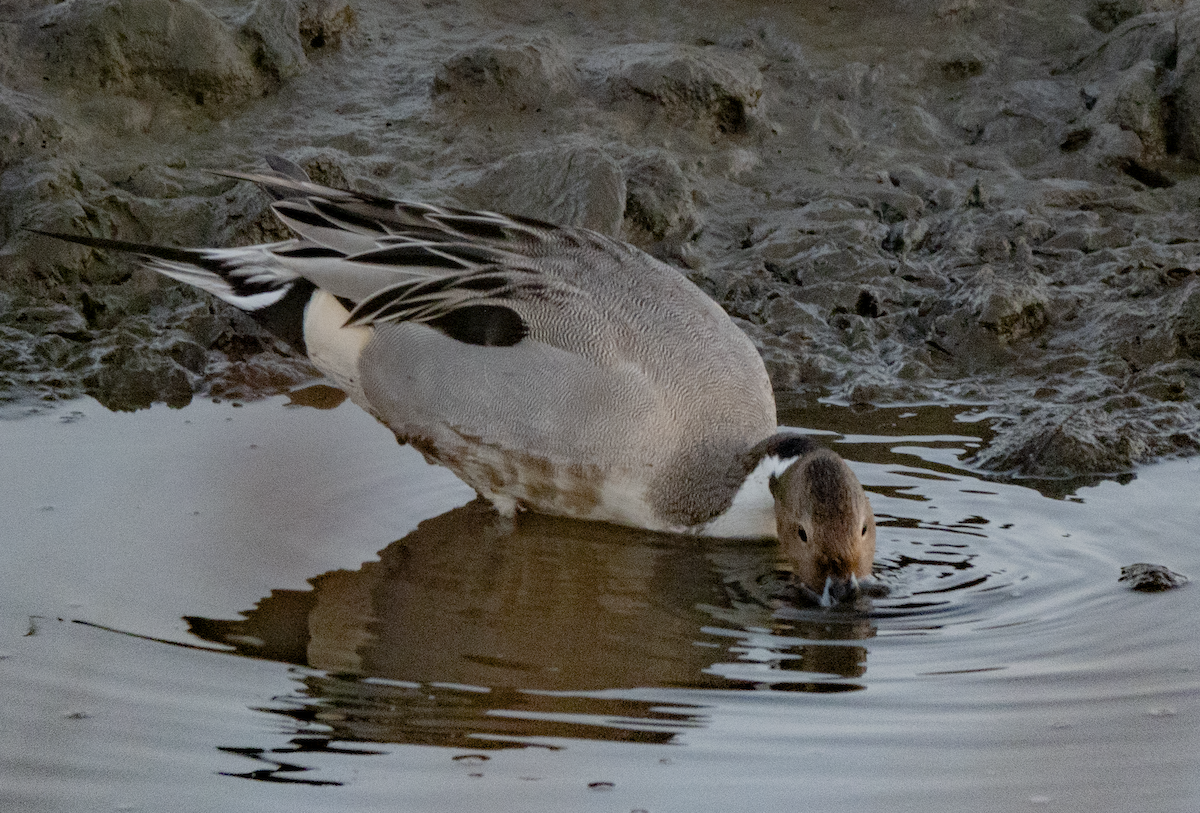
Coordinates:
x,y
276,608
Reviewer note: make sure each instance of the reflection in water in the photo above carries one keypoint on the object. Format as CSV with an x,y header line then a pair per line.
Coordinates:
x,y
478,632
350,709
284,772
1006,663
474,625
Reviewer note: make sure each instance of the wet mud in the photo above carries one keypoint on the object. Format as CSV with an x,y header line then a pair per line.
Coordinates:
x,y
942,201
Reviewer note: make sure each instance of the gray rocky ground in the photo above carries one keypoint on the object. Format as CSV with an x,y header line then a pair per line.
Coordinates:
x,y
906,201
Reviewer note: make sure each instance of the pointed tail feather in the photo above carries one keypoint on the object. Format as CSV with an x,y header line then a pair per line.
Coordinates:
x,y
143,249
248,278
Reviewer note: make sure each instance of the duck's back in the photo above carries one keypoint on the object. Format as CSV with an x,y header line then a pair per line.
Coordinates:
x,y
631,399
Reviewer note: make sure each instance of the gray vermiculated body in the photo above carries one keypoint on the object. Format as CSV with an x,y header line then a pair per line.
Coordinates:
x,y
638,378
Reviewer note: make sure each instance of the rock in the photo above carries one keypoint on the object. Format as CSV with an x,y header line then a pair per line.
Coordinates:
x,y
183,351
658,200
792,363
1105,15
132,377
27,128
1155,36
56,319
261,375
324,24
578,186
1025,121
1182,95
918,181
147,49
876,385
690,84
60,353
836,131
1006,305
1187,322
916,125
281,34
272,29
895,205
1134,333
1138,108
1063,441
1150,578
521,75
1137,93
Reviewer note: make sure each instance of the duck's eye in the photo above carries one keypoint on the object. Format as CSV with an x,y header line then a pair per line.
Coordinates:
x,y
864,530
803,535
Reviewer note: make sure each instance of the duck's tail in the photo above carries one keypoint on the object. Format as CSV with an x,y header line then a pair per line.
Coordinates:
x,y
251,278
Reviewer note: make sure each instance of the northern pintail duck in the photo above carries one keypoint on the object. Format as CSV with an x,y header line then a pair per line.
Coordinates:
x,y
551,368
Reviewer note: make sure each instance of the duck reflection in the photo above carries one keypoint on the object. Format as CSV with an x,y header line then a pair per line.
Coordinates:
x,y
477,625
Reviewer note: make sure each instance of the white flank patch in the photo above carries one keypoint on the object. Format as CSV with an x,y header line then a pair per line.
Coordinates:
x,y
334,349
752,513
623,501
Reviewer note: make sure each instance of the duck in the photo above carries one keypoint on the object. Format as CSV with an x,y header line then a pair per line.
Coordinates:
x,y
552,368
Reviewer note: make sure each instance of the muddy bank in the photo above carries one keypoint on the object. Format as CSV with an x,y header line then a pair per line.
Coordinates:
x,y
906,202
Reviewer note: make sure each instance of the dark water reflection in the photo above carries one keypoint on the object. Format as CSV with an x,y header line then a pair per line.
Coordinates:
x,y
476,631
473,624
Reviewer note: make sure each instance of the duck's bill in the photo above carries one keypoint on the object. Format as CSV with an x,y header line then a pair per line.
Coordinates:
x,y
839,591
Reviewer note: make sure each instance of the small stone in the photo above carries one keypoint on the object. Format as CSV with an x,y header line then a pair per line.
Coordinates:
x,y
1150,578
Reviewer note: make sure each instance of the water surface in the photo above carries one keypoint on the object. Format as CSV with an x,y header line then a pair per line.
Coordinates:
x,y
269,607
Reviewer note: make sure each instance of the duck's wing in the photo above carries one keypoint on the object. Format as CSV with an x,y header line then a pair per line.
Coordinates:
x,y
354,222
480,277
364,244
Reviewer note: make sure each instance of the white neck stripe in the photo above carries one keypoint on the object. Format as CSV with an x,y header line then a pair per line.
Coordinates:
x,y
751,515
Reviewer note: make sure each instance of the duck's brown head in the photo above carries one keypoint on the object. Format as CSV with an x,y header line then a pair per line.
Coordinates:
x,y
825,524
